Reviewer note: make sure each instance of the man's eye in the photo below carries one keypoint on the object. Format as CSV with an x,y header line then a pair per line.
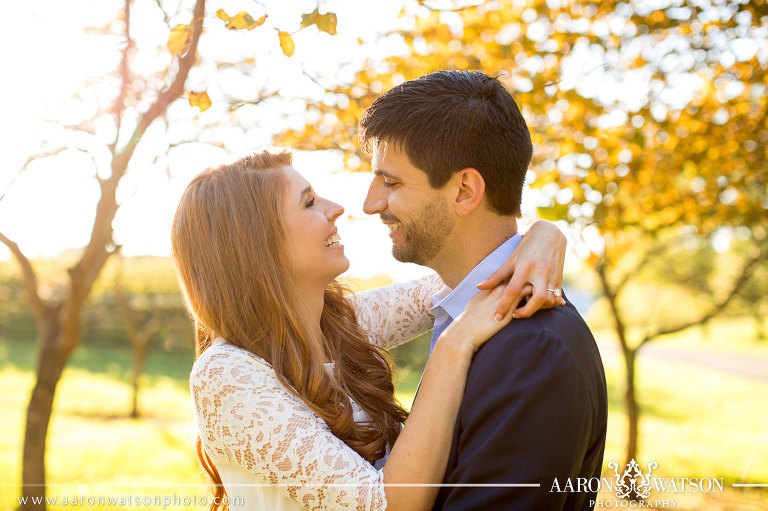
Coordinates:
x,y
389,184
310,203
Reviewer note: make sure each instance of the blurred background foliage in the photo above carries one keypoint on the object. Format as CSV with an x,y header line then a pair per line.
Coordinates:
x,y
650,130
649,126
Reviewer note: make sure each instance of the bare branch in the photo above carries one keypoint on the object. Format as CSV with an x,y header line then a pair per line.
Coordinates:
x,y
423,3
744,276
29,277
165,15
644,260
138,337
234,104
612,296
150,329
35,157
166,97
83,127
85,272
314,80
174,145
125,78
125,312
555,82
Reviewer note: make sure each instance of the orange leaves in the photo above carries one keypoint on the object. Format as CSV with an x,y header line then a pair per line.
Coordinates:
x,y
240,21
324,22
179,40
244,21
286,43
200,100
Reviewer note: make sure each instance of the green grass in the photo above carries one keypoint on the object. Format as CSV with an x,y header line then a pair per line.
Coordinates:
x,y
695,422
94,448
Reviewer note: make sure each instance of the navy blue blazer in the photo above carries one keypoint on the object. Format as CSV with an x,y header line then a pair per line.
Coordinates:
x,y
534,409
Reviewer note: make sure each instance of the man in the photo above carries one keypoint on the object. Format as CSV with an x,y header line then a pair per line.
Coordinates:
x,y
450,151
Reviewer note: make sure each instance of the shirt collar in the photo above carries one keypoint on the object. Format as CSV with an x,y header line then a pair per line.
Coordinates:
x,y
455,301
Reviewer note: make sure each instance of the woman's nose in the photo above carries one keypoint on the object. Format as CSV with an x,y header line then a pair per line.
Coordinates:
x,y
334,211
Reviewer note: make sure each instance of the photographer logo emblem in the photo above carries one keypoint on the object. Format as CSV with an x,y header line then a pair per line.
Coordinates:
x,y
633,484
633,487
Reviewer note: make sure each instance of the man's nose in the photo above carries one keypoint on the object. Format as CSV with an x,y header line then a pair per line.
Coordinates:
x,y
375,201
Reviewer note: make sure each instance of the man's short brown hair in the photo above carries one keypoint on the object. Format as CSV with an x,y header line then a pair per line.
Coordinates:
x,y
450,120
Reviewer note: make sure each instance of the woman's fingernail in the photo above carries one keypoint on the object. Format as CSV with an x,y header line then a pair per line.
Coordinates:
x,y
515,316
498,317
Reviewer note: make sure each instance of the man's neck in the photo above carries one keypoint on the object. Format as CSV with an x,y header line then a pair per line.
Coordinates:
x,y
470,246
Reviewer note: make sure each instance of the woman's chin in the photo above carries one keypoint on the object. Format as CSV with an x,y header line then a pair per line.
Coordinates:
x,y
343,265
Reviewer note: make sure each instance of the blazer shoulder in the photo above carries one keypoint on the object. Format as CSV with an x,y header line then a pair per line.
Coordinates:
x,y
560,325
551,341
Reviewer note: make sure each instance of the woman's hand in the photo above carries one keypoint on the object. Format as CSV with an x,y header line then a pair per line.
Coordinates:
x,y
476,324
534,268
420,454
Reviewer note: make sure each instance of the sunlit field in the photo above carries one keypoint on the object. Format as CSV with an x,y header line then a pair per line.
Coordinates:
x,y
696,422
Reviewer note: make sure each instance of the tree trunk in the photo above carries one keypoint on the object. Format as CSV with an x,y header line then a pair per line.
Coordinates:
x,y
140,356
53,356
630,398
630,401
760,324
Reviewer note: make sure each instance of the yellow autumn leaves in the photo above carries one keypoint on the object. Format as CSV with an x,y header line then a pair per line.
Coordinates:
x,y
240,21
180,39
200,100
286,43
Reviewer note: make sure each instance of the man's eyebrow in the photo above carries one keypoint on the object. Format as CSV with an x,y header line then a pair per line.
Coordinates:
x,y
384,173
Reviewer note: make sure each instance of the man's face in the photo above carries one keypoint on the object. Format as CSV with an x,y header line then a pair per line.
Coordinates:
x,y
417,214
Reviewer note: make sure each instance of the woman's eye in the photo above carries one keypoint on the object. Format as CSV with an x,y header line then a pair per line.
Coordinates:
x,y
310,203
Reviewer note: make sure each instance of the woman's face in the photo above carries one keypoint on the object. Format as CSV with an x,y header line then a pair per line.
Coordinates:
x,y
314,245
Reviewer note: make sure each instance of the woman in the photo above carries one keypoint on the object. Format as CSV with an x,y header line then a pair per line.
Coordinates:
x,y
294,401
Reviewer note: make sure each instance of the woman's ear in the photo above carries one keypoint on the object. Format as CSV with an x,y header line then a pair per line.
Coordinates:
x,y
470,187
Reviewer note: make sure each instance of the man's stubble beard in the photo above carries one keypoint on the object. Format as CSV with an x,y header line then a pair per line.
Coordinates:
x,y
425,236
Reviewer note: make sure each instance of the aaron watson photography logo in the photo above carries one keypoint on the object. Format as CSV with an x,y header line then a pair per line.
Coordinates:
x,y
633,488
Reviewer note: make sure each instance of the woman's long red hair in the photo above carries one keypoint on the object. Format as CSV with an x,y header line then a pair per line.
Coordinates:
x,y
228,246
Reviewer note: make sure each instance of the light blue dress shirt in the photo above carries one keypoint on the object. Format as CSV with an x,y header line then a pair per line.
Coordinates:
x,y
448,303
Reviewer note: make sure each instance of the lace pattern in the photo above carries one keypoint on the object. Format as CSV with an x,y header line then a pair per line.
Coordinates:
x,y
397,313
246,416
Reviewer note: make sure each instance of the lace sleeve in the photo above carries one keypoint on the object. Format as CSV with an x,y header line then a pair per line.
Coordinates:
x,y
246,416
394,314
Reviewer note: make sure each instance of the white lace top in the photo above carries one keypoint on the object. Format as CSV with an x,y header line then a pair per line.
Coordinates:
x,y
268,446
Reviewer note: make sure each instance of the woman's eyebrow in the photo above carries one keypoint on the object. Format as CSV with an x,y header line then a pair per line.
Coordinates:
x,y
304,192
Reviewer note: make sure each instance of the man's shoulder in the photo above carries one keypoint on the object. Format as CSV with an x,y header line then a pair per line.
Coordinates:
x,y
549,340
559,324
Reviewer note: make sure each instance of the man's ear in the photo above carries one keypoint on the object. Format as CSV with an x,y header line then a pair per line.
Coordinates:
x,y
470,187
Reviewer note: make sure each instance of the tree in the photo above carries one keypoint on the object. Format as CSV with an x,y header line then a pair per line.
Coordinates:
x,y
58,321
649,130
138,99
139,335
752,300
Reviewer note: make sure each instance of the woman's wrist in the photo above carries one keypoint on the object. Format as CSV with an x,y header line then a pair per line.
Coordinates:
x,y
458,345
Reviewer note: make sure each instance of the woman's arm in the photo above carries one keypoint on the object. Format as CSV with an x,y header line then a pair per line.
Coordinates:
x,y
420,454
395,314
245,416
